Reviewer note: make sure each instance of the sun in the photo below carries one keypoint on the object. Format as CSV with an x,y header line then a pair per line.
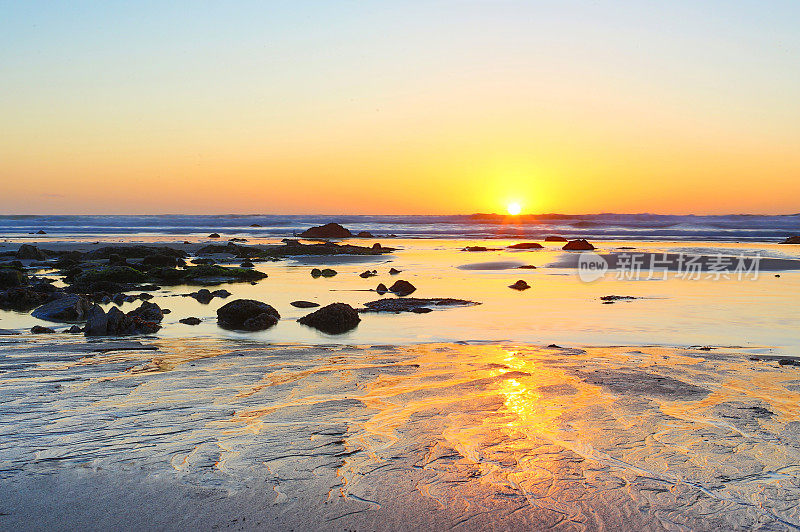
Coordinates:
x,y
514,208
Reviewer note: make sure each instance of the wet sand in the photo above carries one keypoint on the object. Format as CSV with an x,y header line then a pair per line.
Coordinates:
x,y
233,434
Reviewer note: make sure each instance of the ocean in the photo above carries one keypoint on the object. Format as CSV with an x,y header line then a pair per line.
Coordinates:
x,y
641,227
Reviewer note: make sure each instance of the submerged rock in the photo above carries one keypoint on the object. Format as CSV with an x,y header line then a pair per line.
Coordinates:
x,y
526,245
67,308
408,304
330,230
247,315
191,321
304,304
38,329
520,285
578,245
402,288
335,318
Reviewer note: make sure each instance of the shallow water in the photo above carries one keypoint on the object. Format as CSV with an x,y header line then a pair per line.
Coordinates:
x,y
434,435
558,308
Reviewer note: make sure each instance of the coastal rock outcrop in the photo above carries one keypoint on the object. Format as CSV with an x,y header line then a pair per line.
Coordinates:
x,y
29,252
578,245
330,230
553,238
247,315
336,318
792,240
68,308
402,288
116,323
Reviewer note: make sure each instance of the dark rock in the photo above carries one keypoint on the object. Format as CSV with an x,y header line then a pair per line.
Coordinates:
x,y
255,225
213,235
393,271
29,252
247,314
116,274
221,293
368,273
96,321
316,272
526,245
117,260
203,296
365,234
792,240
247,264
68,308
555,239
616,298
160,260
421,310
304,304
402,288
527,267
134,252
331,230
74,330
327,272
377,246
520,285
381,289
475,248
408,304
203,261
578,245
116,323
38,329
191,321
25,298
335,318
147,312
40,232
11,278
237,239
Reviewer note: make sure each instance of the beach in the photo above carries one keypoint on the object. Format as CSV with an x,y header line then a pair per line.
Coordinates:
x,y
650,402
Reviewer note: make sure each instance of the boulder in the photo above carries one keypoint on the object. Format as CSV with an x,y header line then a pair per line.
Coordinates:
x,y
25,298
247,314
68,308
116,323
11,278
213,235
327,272
203,296
331,230
393,271
38,329
578,245
368,273
304,304
191,321
381,289
148,312
402,288
555,239
792,240
74,330
29,252
526,245
336,318
520,285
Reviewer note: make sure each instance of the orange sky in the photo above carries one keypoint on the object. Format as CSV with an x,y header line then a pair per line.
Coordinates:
x,y
379,111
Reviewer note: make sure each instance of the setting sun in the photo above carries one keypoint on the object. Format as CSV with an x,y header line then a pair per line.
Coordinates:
x,y
514,208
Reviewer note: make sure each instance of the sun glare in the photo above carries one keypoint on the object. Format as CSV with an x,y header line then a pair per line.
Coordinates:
x,y
514,208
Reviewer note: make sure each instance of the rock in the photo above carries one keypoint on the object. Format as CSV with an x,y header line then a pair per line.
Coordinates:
x,y
40,232
792,240
203,296
221,293
327,272
421,310
367,274
335,318
578,245
527,267
116,323
117,260
96,321
147,312
365,234
67,308
203,261
160,260
526,245
377,246
255,225
191,321
393,271
475,248
520,285
74,330
38,329
402,288
381,289
247,314
11,278
316,272
116,274
25,298
134,252
29,252
616,298
331,230
304,304
213,235
247,264
408,304
555,239
236,239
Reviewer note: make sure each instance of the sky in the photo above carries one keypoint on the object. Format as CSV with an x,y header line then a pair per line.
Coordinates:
x,y
399,107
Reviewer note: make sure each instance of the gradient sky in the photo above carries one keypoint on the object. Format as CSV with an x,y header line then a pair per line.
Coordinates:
x,y
399,107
